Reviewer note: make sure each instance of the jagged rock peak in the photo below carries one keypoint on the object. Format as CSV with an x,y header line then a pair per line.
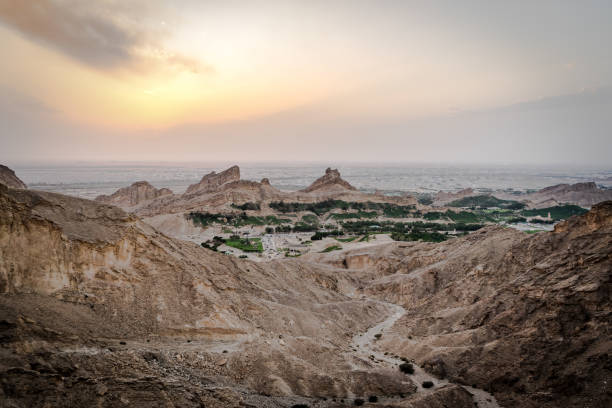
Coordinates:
x,y
331,179
265,181
133,195
10,179
212,181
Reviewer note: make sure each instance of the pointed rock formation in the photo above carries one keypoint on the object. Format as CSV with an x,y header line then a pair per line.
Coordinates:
x,y
330,181
9,179
133,195
212,181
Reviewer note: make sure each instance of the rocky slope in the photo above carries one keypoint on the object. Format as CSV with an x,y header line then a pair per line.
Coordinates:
x,y
583,194
133,195
98,308
10,179
526,317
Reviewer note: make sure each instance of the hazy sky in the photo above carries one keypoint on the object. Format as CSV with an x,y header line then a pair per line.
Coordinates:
x,y
414,81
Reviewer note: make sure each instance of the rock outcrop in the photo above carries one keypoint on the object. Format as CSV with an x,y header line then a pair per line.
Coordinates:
x,y
98,308
330,181
10,179
212,181
442,198
583,194
133,195
526,317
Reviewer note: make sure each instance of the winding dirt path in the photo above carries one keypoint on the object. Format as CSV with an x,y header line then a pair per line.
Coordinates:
x,y
364,344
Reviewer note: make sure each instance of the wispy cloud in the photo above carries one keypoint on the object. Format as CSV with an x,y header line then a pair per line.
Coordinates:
x,y
104,34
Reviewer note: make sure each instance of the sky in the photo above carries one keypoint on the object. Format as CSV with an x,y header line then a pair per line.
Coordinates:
x,y
518,82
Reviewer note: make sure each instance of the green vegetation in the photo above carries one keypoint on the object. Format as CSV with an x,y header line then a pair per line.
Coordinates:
x,y
319,235
425,199
310,219
322,207
245,244
350,239
247,206
467,217
539,221
213,244
358,215
486,201
205,219
332,248
427,384
364,227
557,213
406,368
419,236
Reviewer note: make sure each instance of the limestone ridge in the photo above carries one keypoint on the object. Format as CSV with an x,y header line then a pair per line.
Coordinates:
x,y
9,179
443,197
331,180
133,195
212,181
584,194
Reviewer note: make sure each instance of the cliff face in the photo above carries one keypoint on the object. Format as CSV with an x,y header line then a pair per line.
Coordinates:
x,y
133,195
212,181
10,179
331,180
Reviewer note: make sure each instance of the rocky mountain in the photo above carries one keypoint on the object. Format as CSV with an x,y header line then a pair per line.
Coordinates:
x,y
218,191
525,317
212,181
443,198
98,308
583,194
133,195
330,181
10,179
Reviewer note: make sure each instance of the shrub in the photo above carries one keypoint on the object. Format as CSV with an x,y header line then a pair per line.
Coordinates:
x,y
358,402
378,336
427,384
247,206
406,368
331,248
372,398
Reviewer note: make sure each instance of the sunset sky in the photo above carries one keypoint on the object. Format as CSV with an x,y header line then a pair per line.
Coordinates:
x,y
403,81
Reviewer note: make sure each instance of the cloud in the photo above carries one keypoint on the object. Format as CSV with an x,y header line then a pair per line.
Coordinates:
x,y
104,34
